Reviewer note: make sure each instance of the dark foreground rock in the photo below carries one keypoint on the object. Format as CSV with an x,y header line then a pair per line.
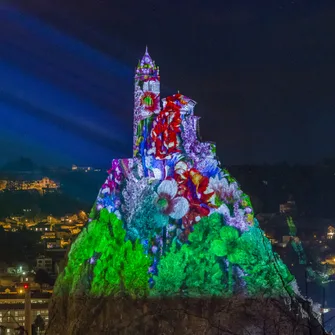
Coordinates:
x,y
78,315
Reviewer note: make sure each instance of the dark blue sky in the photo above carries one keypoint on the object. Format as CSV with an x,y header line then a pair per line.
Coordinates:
x,y
262,73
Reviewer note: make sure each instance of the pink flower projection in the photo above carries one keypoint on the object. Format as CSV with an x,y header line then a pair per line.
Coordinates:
x,y
168,202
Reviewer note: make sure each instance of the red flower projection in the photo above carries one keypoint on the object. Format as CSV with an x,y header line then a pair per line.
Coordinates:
x,y
166,127
193,186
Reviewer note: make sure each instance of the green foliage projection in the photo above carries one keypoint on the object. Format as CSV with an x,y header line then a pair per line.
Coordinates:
x,y
193,270
208,264
102,262
172,273
266,273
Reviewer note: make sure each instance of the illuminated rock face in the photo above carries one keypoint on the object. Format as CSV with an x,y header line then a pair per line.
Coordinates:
x,y
172,229
170,221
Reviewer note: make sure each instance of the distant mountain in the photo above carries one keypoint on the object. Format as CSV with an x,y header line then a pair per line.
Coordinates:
x,y
19,165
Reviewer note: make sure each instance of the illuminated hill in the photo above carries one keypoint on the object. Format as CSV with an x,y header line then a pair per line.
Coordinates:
x,y
170,222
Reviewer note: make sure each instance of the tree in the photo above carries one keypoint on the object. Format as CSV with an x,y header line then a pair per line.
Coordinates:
x,y
39,323
42,277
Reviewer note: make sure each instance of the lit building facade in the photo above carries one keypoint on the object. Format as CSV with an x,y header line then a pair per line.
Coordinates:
x,y
18,185
84,168
12,313
44,263
331,233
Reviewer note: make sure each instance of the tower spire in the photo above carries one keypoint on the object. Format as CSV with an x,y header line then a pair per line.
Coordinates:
x,y
147,99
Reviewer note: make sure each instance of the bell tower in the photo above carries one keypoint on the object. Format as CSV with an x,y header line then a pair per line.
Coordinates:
x,y
147,101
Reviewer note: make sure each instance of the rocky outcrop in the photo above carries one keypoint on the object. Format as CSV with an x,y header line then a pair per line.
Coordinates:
x,y
172,246
77,315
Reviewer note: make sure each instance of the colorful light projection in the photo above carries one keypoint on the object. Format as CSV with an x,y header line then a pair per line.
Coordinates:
x,y
171,216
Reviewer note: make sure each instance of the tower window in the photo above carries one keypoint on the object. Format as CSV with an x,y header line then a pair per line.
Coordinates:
x,y
148,101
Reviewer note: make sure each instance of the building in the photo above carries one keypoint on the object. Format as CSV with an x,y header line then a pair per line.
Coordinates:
x,y
12,311
53,220
17,185
15,218
44,183
3,185
331,233
8,290
57,255
288,208
44,263
60,238
48,235
17,269
54,244
69,218
42,227
330,259
34,287
82,168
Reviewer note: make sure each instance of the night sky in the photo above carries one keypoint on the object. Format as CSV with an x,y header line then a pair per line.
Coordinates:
x,y
262,73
